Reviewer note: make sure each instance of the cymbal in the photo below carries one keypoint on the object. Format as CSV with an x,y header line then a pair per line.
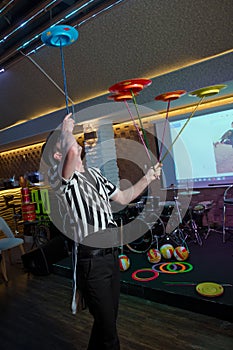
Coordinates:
x,y
169,188
168,203
189,193
133,205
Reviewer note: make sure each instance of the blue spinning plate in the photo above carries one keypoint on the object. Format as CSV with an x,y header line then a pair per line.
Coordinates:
x,y
61,35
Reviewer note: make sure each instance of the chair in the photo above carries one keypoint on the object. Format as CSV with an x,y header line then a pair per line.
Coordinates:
x,y
227,201
8,243
16,215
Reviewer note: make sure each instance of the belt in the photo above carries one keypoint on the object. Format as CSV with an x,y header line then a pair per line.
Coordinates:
x,y
88,252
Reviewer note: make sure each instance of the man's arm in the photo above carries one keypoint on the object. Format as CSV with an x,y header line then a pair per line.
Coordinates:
x,y
126,196
69,148
226,135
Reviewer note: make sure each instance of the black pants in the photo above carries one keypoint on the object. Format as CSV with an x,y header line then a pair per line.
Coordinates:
x,y
99,281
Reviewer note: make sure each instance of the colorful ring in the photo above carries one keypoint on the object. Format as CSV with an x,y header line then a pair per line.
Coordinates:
x,y
144,279
61,35
174,267
190,267
158,265
171,271
168,265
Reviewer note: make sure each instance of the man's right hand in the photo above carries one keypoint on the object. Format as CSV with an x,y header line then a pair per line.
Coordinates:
x,y
68,124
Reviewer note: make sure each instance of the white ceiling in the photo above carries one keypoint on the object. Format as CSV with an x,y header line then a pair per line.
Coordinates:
x,y
163,39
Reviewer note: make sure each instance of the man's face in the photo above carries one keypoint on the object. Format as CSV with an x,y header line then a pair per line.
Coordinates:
x,y
58,152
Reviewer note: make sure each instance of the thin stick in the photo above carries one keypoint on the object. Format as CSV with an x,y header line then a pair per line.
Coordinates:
x,y
138,131
164,129
47,76
168,150
192,284
64,77
121,233
140,121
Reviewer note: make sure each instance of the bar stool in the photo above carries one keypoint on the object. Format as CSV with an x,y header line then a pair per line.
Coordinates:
x,y
227,201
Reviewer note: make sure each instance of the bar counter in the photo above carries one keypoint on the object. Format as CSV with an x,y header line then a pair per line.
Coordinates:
x,y
7,212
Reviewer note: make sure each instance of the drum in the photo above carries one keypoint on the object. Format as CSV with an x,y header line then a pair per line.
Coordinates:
x,y
151,229
134,209
207,204
168,207
151,203
199,209
29,212
198,214
121,216
25,195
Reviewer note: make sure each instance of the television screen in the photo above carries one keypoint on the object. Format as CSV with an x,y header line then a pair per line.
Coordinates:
x,y
202,154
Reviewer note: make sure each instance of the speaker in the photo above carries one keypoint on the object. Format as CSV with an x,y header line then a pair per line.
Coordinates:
x,y
40,260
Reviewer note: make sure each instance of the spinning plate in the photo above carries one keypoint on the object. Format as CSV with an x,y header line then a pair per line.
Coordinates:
x,y
60,35
170,96
209,289
135,85
207,91
121,97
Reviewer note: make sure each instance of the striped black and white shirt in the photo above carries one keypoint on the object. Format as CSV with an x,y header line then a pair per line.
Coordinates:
x,y
84,201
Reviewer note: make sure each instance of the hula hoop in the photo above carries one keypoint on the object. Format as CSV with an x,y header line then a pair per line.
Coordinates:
x,y
160,267
174,267
172,271
190,267
144,279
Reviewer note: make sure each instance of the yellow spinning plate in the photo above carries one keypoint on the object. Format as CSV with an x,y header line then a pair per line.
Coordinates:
x,y
210,289
207,91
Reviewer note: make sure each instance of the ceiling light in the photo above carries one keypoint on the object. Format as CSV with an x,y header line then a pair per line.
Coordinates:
x,y
90,136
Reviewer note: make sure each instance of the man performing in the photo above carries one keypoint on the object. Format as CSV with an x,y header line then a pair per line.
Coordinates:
x,y
86,195
226,138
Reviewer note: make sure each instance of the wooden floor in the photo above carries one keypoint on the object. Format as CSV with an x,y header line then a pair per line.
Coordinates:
x,y
35,314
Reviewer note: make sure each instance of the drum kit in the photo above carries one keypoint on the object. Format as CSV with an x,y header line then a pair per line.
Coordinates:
x,y
152,217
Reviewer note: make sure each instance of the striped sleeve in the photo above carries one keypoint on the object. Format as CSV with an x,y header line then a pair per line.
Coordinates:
x,y
109,187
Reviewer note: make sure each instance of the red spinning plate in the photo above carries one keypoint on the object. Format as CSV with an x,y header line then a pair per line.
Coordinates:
x,y
134,85
121,97
172,95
